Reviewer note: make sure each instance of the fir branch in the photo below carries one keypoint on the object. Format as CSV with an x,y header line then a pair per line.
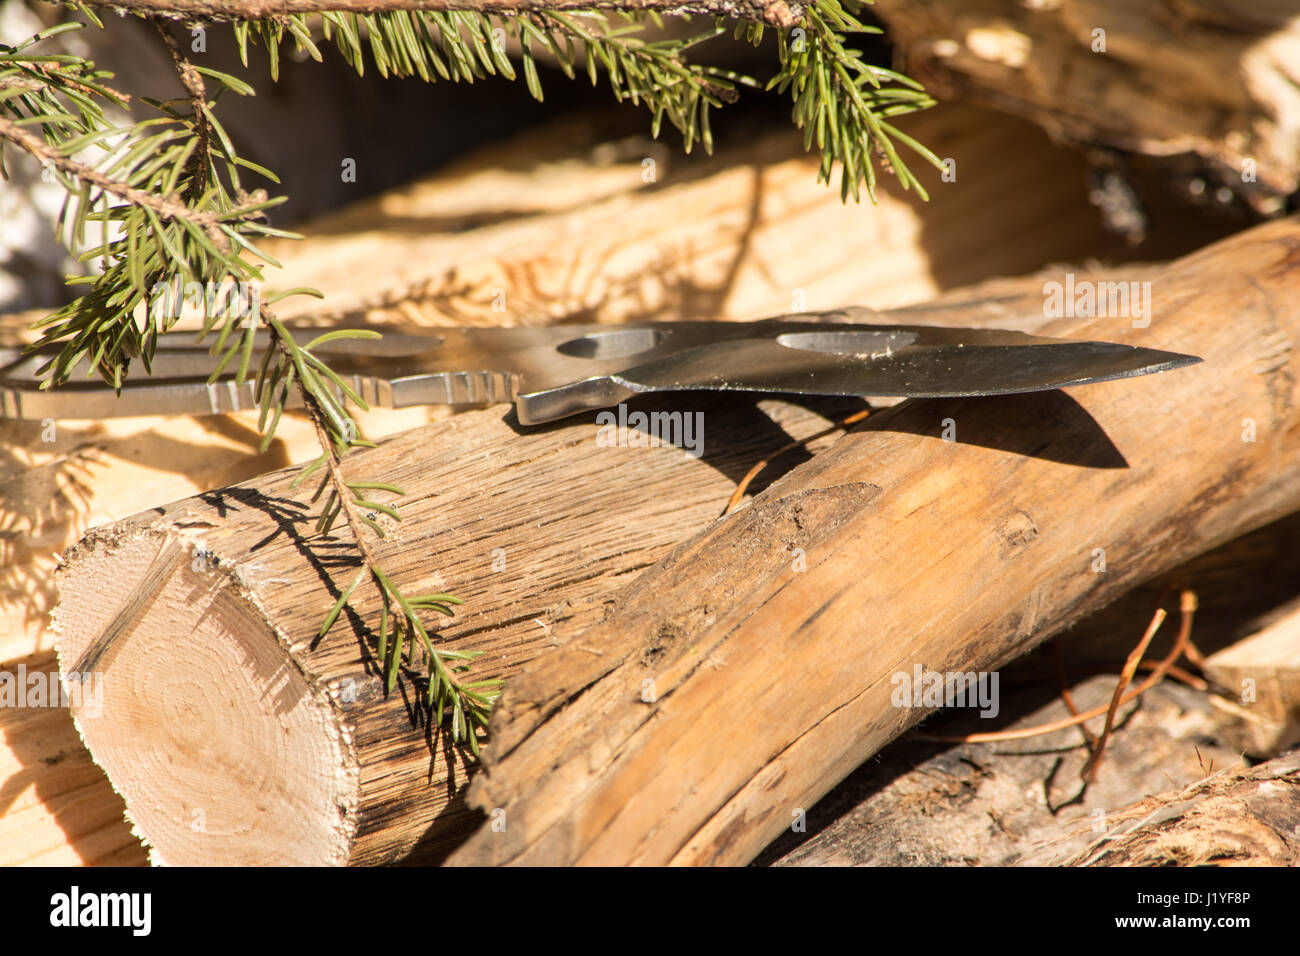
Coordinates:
x,y
337,432
469,703
842,102
192,80
775,12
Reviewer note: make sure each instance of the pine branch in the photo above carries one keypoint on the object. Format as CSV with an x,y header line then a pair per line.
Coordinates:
x,y
470,703
775,12
171,198
167,207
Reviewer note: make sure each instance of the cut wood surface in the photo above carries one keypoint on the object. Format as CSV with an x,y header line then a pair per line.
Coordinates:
x,y
296,756
1260,679
770,681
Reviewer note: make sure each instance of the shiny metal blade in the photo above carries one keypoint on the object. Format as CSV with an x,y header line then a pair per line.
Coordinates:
x,y
822,359
555,371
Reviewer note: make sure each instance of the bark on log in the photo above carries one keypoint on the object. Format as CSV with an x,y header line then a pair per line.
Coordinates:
x,y
1249,818
922,803
770,683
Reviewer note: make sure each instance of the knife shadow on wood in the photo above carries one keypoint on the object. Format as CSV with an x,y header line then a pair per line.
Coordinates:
x,y
728,431
1049,425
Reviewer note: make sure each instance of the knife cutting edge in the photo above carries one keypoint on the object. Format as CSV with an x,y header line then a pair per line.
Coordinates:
x,y
553,372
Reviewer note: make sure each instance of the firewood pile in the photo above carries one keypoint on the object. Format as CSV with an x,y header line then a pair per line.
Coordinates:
x,y
1055,628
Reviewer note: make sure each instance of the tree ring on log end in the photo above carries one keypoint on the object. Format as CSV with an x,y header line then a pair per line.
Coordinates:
x,y
223,750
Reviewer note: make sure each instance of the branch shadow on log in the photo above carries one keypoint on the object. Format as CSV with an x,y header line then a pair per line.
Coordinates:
x,y
288,514
331,554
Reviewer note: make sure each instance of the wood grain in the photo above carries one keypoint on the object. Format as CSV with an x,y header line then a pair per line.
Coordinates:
x,y
1260,682
771,683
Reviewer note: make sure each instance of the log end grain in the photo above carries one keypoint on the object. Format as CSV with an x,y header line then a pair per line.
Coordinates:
x,y
224,751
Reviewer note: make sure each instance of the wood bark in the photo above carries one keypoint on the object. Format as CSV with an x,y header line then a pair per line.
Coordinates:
x,y
769,682
1242,818
922,803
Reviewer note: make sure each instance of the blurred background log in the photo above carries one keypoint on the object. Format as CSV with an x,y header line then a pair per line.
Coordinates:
x,y
1235,818
1207,91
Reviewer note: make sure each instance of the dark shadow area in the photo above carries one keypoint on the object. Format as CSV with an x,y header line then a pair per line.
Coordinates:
x,y
454,822
736,433
1049,425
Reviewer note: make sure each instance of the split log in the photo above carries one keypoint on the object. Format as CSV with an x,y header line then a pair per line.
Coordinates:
x,y
588,541
1260,677
232,743
769,642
